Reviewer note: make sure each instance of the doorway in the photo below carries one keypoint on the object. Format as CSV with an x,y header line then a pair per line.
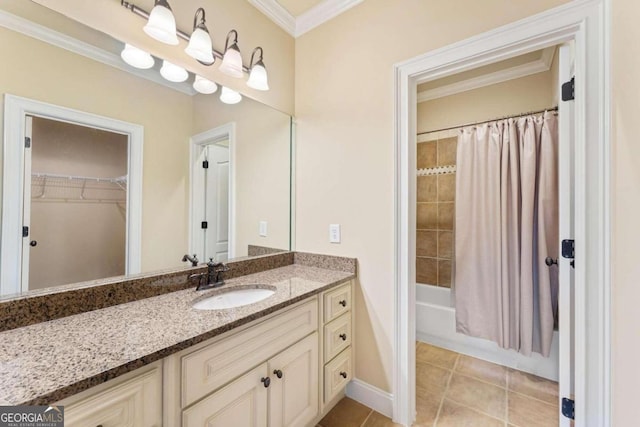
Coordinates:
x,y
75,203
18,184
212,194
584,25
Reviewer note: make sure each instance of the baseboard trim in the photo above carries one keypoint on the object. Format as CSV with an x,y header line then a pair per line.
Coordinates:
x,y
376,399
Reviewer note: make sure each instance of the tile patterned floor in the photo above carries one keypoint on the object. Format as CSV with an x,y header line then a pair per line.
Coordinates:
x,y
454,390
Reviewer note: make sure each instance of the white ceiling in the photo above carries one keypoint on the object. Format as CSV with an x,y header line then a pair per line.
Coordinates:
x,y
299,16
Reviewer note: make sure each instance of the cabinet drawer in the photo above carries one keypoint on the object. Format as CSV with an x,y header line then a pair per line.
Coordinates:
x,y
337,336
336,302
136,402
217,364
337,374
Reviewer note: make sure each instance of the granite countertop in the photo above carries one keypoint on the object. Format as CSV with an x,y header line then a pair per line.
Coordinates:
x,y
46,362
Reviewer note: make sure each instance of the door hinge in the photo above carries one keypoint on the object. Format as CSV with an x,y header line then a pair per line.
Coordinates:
x,y
27,142
569,90
568,408
205,164
569,250
25,231
204,225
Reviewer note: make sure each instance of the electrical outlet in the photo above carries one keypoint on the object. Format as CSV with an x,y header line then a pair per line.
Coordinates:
x,y
334,233
263,228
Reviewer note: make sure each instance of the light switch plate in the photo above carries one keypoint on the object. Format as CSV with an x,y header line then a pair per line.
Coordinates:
x,y
334,233
263,228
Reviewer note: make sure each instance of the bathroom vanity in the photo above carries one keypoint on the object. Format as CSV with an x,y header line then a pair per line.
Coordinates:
x,y
283,361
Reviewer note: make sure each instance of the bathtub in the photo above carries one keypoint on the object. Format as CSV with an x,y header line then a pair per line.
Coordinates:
x,y
436,325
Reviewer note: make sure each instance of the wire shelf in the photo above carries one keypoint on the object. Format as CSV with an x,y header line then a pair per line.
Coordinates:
x,y
47,186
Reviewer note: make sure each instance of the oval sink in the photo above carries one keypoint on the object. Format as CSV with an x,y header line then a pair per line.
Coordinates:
x,y
233,298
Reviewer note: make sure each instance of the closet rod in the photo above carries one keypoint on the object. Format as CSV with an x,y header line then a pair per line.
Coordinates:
x,y
492,120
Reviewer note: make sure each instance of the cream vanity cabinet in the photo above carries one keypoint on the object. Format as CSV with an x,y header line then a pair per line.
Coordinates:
x,y
285,369
131,400
265,374
337,332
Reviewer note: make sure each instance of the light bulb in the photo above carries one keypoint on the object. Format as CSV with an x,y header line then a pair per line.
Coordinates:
x,y
229,96
173,73
204,86
137,58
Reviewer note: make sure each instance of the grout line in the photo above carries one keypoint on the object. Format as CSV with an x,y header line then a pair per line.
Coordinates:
x,y
474,409
446,389
533,398
367,419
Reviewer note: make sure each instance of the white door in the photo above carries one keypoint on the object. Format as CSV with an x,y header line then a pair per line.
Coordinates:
x,y
293,395
26,205
241,403
566,179
217,203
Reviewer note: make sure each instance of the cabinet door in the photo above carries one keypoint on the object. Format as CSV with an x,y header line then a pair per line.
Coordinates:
x,y
293,395
241,403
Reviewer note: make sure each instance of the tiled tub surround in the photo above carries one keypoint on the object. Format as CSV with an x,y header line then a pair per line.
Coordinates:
x,y
46,362
435,213
54,303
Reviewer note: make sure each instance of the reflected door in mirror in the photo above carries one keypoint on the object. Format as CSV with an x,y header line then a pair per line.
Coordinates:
x,y
75,205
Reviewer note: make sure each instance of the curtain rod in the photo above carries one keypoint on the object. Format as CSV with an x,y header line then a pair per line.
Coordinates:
x,y
492,120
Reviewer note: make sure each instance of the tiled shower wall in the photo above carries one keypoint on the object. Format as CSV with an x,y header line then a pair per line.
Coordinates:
x,y
435,214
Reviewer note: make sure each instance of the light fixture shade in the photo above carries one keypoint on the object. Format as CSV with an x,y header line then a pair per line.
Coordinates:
x,y
232,62
258,77
200,46
204,86
162,24
229,96
137,58
173,73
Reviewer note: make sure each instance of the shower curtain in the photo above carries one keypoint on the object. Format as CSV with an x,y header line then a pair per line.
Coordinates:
x,y
506,225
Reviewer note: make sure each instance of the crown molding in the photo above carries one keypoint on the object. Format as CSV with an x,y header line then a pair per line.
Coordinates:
x,y
278,14
55,38
322,13
538,66
317,15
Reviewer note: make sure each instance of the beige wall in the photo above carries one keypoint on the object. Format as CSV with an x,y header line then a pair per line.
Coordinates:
x,y
517,96
262,167
625,185
73,81
344,114
80,226
254,29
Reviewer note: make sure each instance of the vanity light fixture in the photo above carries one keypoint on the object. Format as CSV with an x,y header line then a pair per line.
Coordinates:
x,y
162,24
232,60
173,73
258,73
229,96
204,86
199,46
137,58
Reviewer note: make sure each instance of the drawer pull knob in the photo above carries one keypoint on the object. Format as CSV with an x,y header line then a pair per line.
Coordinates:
x,y
343,374
266,381
278,373
343,303
343,336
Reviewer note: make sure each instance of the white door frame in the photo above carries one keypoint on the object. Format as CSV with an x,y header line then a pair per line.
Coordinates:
x,y
586,22
197,142
15,111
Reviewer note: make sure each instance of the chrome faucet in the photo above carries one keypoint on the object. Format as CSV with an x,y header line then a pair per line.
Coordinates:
x,y
212,278
193,260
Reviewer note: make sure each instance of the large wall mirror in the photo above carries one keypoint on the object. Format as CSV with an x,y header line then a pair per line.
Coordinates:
x,y
109,170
